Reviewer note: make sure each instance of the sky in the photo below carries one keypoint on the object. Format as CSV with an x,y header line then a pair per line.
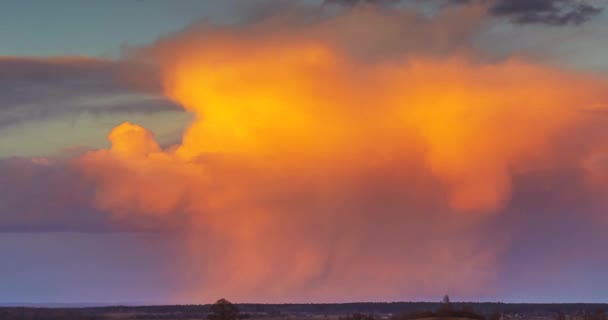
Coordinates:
x,y
303,151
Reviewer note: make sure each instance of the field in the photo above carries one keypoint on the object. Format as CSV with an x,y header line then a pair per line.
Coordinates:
x,y
348,311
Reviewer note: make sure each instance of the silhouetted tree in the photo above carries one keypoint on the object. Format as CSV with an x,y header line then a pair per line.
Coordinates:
x,y
223,310
446,300
446,305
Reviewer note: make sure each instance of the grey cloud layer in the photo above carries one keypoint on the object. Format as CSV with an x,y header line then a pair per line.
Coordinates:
x,y
39,88
41,195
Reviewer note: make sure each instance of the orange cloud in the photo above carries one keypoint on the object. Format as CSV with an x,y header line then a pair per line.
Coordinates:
x,y
316,171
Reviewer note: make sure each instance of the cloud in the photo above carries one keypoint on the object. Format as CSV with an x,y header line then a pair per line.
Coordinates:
x,y
40,88
49,195
547,12
550,12
322,164
39,195
356,2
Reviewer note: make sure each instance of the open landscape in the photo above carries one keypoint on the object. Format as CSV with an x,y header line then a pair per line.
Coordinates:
x,y
343,311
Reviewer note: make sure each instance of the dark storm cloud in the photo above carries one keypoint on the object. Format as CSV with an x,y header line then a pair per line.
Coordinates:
x,y
548,12
38,88
355,2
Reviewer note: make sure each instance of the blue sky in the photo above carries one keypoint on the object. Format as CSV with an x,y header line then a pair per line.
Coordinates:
x,y
95,28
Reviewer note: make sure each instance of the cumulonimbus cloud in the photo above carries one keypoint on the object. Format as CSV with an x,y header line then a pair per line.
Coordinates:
x,y
318,166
